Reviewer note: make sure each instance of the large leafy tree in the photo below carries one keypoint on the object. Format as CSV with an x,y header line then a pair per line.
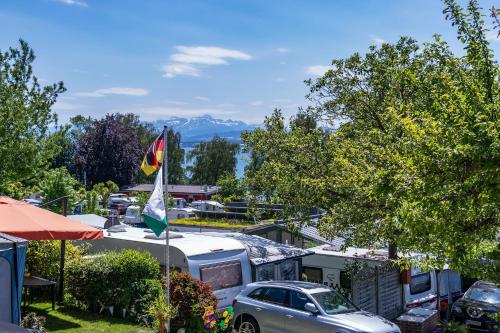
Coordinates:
x,y
73,134
25,118
175,158
109,150
212,160
67,138
414,161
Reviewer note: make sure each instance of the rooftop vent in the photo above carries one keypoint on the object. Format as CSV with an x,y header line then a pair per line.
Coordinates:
x,y
171,235
117,228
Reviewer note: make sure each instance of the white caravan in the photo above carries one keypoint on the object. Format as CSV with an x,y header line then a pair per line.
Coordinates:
x,y
227,262
208,206
329,267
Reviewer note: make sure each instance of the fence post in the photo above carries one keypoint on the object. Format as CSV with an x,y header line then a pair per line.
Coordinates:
x,y
377,290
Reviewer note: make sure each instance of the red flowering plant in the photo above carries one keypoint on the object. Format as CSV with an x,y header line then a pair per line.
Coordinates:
x,y
190,297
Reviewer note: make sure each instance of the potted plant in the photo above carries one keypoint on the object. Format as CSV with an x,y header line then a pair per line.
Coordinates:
x,y
161,312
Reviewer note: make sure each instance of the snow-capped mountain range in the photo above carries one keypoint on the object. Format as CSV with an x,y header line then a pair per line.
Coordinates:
x,y
196,129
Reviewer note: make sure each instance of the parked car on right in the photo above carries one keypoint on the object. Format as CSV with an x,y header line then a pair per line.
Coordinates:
x,y
301,307
478,307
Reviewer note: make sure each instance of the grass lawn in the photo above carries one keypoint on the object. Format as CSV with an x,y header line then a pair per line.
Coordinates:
x,y
75,321
222,223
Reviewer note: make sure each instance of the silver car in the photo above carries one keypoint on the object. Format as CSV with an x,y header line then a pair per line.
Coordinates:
x,y
301,307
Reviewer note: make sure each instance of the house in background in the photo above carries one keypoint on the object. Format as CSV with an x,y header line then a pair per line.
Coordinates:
x,y
188,192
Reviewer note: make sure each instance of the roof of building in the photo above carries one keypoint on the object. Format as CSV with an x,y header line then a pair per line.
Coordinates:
x,y
191,244
308,231
185,189
352,252
262,251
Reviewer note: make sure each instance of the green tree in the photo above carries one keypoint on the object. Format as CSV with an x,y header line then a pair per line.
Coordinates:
x,y
57,183
147,133
175,158
414,160
26,147
230,189
66,156
104,190
212,160
78,131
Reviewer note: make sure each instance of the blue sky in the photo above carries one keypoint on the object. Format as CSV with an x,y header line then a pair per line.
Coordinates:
x,y
228,58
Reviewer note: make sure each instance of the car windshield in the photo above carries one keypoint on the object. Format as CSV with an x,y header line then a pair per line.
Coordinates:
x,y
333,303
487,295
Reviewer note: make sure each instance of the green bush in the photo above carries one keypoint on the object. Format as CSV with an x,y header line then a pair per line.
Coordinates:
x,y
43,257
454,327
108,279
190,297
145,293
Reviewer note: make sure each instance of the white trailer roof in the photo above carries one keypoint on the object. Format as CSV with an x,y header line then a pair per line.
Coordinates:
x,y
190,244
352,252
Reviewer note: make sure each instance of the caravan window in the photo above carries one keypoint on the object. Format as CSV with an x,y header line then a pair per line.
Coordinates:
x,y
288,270
223,275
313,274
265,272
420,283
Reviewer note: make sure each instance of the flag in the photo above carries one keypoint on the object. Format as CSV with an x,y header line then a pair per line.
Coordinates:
x,y
154,212
154,156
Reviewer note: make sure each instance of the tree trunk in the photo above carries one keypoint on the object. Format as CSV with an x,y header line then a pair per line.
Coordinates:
x,y
393,251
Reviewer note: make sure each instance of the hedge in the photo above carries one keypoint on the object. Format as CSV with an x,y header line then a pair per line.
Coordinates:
x,y
115,279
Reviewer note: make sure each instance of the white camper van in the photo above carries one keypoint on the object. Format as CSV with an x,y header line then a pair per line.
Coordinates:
x,y
227,262
328,266
208,206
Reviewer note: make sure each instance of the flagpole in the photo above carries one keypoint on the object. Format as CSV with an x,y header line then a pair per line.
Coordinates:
x,y
167,247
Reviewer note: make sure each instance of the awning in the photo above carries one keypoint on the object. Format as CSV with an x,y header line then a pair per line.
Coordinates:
x,y
94,220
23,220
262,251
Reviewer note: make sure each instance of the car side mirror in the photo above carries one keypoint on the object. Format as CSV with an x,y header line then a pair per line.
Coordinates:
x,y
311,308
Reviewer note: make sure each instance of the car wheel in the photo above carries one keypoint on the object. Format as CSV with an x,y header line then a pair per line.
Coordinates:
x,y
248,325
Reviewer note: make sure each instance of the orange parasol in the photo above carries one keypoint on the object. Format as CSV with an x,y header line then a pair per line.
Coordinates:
x,y
20,219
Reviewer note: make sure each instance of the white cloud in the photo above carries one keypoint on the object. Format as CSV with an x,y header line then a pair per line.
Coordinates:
x,y
207,55
172,70
317,70
282,49
377,40
114,91
256,103
492,36
202,98
74,3
282,62
189,59
279,79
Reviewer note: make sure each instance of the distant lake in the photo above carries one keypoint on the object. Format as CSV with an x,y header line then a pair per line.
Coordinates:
x,y
240,166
